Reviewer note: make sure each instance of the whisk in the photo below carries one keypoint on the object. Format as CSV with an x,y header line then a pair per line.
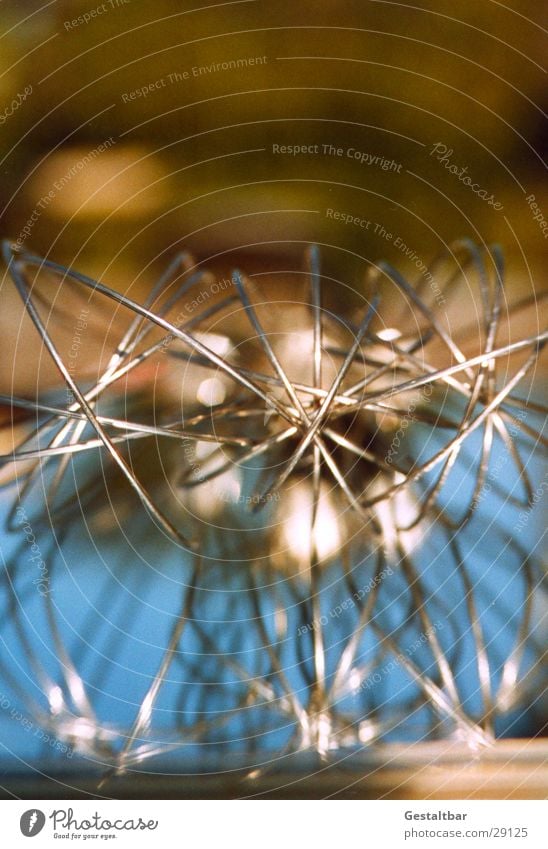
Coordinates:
x,y
273,527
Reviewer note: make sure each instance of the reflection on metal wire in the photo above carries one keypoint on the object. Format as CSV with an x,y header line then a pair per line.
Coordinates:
x,y
300,487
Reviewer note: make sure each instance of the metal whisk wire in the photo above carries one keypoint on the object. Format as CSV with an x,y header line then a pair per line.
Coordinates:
x,y
327,436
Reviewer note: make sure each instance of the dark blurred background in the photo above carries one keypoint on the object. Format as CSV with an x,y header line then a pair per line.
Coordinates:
x,y
132,129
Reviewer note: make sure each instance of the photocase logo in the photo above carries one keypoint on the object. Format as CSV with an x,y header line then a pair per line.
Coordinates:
x,y
32,822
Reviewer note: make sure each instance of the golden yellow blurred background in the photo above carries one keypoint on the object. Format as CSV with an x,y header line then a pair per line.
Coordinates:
x,y
248,129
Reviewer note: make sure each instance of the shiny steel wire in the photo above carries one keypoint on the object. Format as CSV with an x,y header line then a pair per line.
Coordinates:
x,y
330,435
